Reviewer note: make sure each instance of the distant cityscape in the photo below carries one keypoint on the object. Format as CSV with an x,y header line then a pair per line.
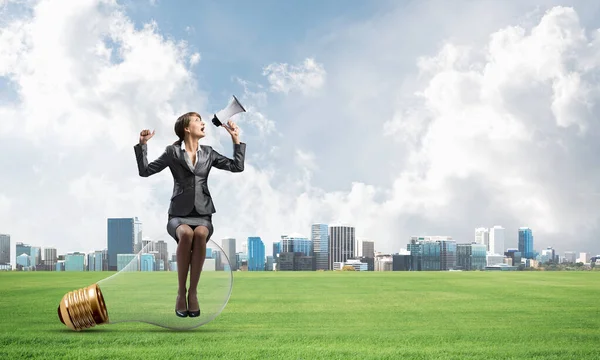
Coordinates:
x,y
328,248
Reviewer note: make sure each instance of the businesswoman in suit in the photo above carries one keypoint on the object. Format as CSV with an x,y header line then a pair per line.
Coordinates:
x,y
191,207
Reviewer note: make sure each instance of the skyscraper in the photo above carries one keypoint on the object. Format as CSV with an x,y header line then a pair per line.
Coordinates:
x,y
342,244
21,248
121,238
50,258
256,254
368,249
137,235
320,240
228,246
447,254
497,240
432,253
276,250
526,243
296,243
36,255
482,236
4,249
98,261
163,254
471,256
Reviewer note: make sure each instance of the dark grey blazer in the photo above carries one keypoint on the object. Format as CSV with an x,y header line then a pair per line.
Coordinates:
x,y
190,185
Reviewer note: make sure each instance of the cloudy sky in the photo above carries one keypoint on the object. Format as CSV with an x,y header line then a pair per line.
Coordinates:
x,y
400,118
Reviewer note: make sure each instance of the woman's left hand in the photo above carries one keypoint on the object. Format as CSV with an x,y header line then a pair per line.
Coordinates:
x,y
234,131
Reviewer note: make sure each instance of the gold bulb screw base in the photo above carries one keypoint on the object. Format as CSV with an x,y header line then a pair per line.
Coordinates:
x,y
83,308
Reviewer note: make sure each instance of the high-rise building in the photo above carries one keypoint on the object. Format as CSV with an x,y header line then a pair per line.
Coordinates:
x,y
4,249
526,243
482,236
23,261
368,249
269,263
297,251
400,262
471,256
228,246
570,256
276,250
36,255
447,254
75,261
121,237
163,254
382,262
256,254
91,262
342,244
584,257
497,240
95,261
515,255
296,243
147,246
138,242
22,249
50,258
415,248
429,253
320,241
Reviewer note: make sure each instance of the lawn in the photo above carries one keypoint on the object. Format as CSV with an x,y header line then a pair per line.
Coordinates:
x,y
317,315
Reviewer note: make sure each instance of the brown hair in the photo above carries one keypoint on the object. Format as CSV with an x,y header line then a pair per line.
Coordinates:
x,y
182,122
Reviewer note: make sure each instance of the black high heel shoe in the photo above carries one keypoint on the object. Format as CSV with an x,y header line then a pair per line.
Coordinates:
x,y
181,313
194,313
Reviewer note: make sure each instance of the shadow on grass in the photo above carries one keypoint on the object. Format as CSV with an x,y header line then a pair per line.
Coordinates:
x,y
129,330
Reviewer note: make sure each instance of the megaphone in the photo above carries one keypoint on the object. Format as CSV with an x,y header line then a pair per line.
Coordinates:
x,y
233,108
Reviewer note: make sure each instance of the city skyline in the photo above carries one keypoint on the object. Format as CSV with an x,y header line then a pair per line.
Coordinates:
x,y
509,241
127,238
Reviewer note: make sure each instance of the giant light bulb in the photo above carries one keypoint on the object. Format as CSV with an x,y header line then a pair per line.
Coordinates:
x,y
140,292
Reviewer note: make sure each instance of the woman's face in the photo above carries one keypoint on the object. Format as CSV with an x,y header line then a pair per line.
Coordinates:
x,y
196,127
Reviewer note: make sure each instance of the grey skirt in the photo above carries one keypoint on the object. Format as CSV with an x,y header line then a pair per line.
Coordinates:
x,y
193,220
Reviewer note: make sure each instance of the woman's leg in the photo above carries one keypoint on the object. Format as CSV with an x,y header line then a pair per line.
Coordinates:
x,y
196,263
185,234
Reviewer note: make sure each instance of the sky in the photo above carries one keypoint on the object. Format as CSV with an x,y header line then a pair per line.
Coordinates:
x,y
400,118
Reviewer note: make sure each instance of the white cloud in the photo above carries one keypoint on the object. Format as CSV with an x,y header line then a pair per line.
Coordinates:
x,y
86,81
495,132
306,78
481,126
88,65
194,59
254,102
306,159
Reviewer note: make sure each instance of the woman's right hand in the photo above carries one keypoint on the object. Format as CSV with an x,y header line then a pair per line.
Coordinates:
x,y
145,135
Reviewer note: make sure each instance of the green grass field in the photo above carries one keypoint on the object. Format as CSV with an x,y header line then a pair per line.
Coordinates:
x,y
326,315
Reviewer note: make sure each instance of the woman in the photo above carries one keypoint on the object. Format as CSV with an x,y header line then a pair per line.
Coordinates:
x,y
191,208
